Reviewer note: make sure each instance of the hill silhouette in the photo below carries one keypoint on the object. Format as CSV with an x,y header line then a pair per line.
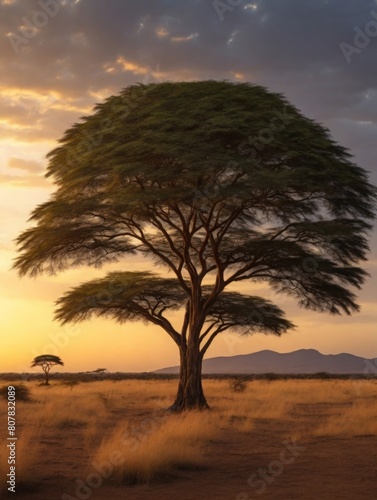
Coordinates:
x,y
301,361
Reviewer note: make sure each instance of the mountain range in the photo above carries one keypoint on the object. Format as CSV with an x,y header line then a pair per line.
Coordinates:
x,y
297,362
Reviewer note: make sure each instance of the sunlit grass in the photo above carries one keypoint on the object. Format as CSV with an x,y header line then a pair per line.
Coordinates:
x,y
28,451
153,443
359,419
162,447
272,400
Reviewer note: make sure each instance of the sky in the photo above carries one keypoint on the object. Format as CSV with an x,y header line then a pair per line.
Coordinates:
x,y
60,57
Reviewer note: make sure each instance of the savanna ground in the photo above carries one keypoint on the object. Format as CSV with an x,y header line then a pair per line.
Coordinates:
x,y
281,439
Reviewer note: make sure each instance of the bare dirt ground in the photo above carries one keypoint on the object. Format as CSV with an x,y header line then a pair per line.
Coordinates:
x,y
281,440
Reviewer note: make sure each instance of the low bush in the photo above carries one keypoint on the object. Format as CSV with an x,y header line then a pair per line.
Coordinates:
x,y
238,384
22,392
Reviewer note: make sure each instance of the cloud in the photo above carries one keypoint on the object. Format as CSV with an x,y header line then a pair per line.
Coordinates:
x,y
25,165
31,116
29,181
292,46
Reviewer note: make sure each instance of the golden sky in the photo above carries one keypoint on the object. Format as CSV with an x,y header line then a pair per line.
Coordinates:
x,y
58,58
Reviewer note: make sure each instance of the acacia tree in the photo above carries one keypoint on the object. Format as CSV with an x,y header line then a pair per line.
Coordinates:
x,y
46,362
218,183
100,372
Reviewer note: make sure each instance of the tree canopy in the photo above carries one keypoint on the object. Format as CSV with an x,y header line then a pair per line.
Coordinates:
x,y
217,183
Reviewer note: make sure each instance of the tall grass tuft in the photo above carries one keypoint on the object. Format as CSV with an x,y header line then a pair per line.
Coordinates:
x,y
176,443
27,454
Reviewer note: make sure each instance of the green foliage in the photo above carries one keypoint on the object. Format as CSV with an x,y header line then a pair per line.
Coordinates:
x,y
47,360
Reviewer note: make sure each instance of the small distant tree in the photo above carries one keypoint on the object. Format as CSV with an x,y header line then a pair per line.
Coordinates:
x,y
100,372
46,362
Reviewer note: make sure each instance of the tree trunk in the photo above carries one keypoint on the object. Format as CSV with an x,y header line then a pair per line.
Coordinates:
x,y
47,374
190,394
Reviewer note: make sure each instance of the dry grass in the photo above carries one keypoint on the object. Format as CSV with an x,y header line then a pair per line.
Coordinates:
x,y
359,419
270,400
278,400
147,443
28,452
163,446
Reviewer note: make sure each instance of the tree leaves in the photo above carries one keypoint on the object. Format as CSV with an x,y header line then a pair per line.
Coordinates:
x,y
123,296
46,359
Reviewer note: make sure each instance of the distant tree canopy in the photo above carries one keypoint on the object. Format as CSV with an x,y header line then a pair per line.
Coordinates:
x,y
217,183
46,362
100,372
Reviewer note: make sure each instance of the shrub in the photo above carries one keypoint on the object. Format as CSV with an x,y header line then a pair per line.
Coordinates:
x,y
22,392
238,384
